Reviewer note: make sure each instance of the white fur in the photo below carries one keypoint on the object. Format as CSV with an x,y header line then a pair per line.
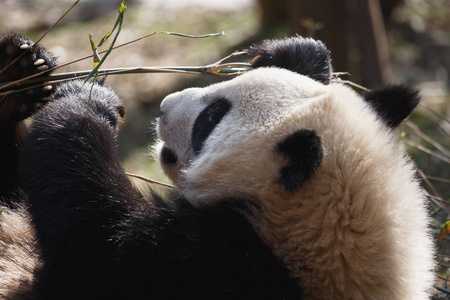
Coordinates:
x,y
358,229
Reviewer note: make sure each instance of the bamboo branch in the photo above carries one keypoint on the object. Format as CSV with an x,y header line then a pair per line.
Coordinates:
x,y
218,69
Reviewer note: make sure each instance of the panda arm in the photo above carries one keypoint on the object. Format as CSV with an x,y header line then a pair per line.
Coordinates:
x,y
14,108
77,188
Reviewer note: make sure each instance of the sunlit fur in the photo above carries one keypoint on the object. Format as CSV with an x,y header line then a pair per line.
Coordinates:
x,y
19,254
357,229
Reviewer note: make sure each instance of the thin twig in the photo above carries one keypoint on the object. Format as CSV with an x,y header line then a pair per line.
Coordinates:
x,y
438,179
101,52
435,112
149,180
439,116
351,83
441,203
443,278
424,177
443,265
442,290
428,151
436,198
4,86
42,36
57,21
427,138
7,85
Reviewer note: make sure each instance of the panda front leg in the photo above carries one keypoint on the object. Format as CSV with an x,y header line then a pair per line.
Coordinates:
x,y
78,191
15,107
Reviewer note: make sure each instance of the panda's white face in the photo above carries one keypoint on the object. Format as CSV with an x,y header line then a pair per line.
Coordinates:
x,y
221,140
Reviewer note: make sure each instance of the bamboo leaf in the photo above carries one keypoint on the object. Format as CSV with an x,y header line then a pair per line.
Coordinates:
x,y
117,25
122,8
445,230
94,51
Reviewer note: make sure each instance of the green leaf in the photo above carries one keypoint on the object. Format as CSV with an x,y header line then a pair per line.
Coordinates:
x,y
445,230
122,8
118,25
94,50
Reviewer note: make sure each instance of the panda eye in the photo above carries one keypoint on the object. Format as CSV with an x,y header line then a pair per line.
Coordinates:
x,y
207,120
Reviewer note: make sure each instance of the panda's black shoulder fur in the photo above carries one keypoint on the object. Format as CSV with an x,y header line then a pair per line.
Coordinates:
x,y
298,54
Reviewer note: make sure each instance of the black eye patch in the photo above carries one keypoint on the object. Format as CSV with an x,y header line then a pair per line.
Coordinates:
x,y
207,120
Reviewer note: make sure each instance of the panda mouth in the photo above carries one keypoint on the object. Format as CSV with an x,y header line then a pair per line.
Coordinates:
x,y
167,156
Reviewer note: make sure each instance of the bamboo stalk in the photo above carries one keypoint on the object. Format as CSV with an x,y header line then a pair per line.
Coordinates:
x,y
230,70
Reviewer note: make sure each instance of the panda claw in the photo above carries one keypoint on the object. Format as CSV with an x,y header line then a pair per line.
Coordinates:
x,y
47,88
43,68
39,62
24,46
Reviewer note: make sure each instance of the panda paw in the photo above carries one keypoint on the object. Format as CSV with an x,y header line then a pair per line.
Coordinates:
x,y
90,97
31,59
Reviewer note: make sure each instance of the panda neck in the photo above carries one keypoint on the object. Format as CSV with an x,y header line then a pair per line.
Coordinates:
x,y
320,247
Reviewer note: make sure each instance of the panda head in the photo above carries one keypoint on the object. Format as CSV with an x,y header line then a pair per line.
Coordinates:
x,y
268,132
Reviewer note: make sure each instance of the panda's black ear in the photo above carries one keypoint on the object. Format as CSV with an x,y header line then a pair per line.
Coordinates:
x,y
304,152
393,103
298,54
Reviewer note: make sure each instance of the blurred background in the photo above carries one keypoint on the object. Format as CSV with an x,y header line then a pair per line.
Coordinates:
x,y
375,41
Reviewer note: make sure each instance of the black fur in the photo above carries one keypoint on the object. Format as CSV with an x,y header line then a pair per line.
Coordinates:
x,y
14,108
168,156
100,239
298,54
393,103
304,151
207,120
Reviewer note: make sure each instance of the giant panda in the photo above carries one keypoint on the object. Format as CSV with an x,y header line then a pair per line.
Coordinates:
x,y
287,186
330,187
